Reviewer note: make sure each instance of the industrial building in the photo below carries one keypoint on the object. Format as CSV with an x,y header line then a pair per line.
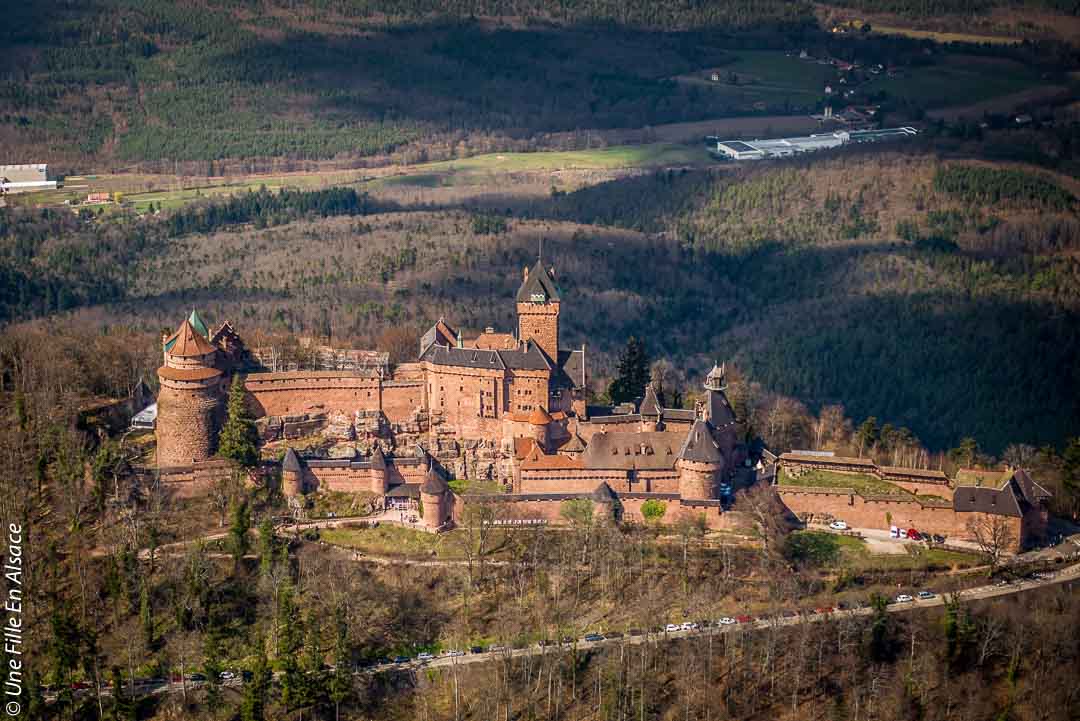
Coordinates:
x,y
784,147
24,178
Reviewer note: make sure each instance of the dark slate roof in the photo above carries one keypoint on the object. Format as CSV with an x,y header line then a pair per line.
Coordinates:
x,y
529,358
440,333
434,484
680,414
378,460
650,404
623,450
1032,492
290,462
717,409
572,365
574,444
404,490
621,418
539,281
999,501
699,446
446,355
603,494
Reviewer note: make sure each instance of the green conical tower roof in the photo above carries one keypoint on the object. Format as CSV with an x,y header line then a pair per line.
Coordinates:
x,y
197,323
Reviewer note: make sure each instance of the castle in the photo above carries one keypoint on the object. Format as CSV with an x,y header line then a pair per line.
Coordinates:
x,y
509,407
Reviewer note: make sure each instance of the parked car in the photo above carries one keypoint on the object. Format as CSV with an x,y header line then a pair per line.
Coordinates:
x,y
790,614
688,626
894,532
227,675
938,538
838,526
744,618
402,659
454,653
925,595
496,648
613,634
592,637
636,632
546,642
913,534
424,656
671,627
824,609
727,621
904,598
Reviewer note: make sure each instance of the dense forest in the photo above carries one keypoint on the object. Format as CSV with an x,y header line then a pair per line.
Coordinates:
x,y
119,84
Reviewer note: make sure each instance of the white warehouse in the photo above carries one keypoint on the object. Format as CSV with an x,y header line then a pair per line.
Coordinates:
x,y
25,178
784,147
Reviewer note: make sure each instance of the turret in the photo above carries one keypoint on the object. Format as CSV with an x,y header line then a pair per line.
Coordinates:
x,y
190,398
540,423
292,475
435,497
378,475
700,463
650,411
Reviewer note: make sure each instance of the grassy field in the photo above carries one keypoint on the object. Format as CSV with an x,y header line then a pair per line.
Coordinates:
x,y
830,479
767,76
388,540
946,37
959,80
830,550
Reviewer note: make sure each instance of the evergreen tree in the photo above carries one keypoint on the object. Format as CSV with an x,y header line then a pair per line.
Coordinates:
x,y
238,438
266,546
966,453
341,681
256,691
123,708
212,669
238,531
632,374
146,615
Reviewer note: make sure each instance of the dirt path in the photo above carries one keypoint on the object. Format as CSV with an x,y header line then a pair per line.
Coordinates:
x,y
1001,104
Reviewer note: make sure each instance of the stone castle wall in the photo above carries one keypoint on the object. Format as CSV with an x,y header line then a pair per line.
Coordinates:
x,y
879,512
540,323
186,423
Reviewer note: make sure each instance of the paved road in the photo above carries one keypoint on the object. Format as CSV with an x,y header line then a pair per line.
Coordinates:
x,y
1064,575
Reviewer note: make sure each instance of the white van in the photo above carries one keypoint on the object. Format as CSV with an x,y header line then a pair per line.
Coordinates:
x,y
894,532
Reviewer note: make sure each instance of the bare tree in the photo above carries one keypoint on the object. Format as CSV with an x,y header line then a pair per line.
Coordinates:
x,y
994,536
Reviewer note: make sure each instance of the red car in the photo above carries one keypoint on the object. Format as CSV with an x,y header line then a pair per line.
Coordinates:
x,y
744,618
913,534
824,609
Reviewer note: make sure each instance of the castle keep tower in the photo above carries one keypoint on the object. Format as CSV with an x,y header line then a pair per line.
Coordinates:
x,y
190,397
538,309
292,475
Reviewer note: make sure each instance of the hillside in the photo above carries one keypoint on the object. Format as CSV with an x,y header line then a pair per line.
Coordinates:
x,y
940,296
201,85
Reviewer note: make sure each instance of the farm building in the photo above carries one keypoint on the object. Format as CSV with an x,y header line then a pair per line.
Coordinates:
x,y
25,178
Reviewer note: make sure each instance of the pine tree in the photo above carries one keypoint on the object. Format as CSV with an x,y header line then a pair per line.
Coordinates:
x,y
256,691
238,531
123,708
633,373
341,682
146,615
238,438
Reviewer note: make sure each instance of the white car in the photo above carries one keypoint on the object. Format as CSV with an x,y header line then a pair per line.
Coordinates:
x,y
838,526
454,653
671,627
227,675
904,598
424,656
688,626
727,621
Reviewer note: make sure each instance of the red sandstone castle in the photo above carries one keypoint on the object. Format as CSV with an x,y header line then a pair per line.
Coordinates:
x,y
511,407
503,406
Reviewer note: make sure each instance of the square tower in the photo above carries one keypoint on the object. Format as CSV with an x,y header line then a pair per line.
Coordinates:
x,y
538,309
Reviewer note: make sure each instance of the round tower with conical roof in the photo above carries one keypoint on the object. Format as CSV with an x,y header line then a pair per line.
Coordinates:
x,y
380,481
292,475
190,398
540,423
435,497
700,463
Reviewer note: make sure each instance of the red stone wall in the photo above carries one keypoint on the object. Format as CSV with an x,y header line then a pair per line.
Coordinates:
x,y
527,390
471,400
185,427
568,480
925,489
861,513
295,392
697,480
400,399
540,323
